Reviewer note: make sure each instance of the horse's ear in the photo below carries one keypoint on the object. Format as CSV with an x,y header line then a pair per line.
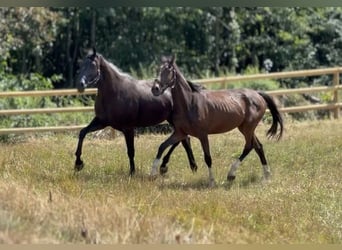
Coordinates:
x,y
94,51
163,59
173,59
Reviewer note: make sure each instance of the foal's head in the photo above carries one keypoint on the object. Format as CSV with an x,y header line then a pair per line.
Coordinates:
x,y
89,73
167,76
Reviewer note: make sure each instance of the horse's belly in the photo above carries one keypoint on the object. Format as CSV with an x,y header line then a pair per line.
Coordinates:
x,y
138,120
149,122
222,123
221,128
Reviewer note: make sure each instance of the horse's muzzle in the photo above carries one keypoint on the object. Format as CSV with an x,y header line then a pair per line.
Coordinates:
x,y
81,85
156,90
80,89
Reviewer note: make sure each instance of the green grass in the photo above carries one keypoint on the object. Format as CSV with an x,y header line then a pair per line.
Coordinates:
x,y
42,201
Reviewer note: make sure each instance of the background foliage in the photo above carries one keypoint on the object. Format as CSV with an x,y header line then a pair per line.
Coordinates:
x,y
42,47
52,41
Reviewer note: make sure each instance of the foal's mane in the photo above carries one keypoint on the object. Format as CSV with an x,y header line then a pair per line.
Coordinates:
x,y
195,87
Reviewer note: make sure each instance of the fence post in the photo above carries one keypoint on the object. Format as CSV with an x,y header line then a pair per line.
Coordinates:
x,y
336,82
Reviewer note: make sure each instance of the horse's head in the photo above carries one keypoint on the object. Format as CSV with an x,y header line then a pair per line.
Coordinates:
x,y
89,73
167,77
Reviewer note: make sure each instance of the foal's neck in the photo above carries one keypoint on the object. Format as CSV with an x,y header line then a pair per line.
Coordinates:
x,y
183,83
181,94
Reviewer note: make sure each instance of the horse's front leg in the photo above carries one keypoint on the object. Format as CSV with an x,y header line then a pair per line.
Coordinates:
x,y
173,139
94,125
129,138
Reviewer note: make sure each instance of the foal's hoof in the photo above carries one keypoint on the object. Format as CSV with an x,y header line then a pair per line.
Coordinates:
x,y
163,170
79,165
267,176
230,177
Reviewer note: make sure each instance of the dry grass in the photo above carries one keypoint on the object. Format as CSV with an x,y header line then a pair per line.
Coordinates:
x,y
42,201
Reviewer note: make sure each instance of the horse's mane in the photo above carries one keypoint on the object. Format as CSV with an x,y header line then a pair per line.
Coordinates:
x,y
116,69
119,71
195,87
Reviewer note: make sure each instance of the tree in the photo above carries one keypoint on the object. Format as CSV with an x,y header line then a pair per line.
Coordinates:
x,y
206,41
28,33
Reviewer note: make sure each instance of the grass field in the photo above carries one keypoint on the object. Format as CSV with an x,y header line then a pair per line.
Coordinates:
x,y
42,201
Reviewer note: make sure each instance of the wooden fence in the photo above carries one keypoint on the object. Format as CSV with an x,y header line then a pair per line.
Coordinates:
x,y
335,106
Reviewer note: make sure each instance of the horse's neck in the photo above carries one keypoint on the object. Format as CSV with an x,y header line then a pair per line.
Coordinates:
x,y
181,95
111,78
110,70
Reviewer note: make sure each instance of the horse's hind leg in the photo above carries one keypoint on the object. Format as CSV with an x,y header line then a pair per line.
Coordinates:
x,y
187,146
247,149
207,158
129,138
94,125
231,174
260,151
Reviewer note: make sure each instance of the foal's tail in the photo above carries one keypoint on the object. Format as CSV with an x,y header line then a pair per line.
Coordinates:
x,y
277,118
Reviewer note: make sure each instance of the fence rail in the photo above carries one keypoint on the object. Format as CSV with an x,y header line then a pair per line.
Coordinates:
x,y
335,106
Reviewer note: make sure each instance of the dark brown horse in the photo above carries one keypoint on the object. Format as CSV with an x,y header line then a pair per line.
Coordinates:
x,y
199,112
123,103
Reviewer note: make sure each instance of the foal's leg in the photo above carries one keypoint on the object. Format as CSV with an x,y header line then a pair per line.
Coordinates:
x,y
207,157
173,139
163,167
187,146
247,149
94,125
260,151
129,138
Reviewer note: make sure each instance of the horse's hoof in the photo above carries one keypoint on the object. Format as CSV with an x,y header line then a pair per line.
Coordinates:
x,y
267,175
230,177
131,173
163,170
266,179
152,177
194,168
79,166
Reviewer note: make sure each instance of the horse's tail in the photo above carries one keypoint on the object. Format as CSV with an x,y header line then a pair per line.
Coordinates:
x,y
277,118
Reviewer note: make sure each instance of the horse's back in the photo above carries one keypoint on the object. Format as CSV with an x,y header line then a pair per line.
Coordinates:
x,y
224,110
131,104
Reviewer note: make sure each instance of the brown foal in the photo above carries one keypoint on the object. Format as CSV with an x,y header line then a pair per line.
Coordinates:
x,y
199,112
